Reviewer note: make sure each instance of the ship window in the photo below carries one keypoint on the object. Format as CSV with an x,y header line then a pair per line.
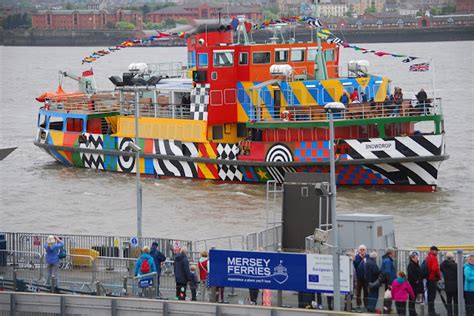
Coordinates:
x,y
242,130
42,121
312,53
223,59
74,125
261,58
202,60
217,132
281,56
192,59
329,54
56,123
297,55
243,58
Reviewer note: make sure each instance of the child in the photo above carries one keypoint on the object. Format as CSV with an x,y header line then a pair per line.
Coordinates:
x,y
194,283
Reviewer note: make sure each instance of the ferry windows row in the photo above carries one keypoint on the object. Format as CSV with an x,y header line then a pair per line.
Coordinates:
x,y
224,58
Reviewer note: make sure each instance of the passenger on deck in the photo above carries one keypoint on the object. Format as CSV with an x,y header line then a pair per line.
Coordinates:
x,y
421,96
344,99
355,96
423,102
363,97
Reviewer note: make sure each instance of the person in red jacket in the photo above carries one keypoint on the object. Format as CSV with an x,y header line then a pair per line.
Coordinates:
x,y
434,275
203,270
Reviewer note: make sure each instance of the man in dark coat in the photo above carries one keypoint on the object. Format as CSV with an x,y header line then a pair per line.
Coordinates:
x,y
182,273
159,258
449,268
362,285
372,277
415,278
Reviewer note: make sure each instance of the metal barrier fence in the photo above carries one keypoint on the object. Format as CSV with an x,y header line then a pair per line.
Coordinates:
x,y
108,246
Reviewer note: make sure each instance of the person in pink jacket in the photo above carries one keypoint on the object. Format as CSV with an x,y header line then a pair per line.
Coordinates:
x,y
401,291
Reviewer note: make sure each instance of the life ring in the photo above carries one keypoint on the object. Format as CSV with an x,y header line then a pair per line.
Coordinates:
x,y
286,116
46,107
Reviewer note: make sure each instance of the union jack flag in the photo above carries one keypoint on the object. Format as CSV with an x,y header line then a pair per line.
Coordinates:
x,y
420,67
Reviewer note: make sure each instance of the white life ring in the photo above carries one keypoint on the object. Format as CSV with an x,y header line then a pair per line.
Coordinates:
x,y
286,116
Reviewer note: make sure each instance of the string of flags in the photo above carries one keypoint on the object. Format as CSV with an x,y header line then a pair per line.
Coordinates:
x,y
129,43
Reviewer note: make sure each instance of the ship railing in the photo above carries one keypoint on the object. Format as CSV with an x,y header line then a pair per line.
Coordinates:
x,y
97,103
168,70
158,110
313,112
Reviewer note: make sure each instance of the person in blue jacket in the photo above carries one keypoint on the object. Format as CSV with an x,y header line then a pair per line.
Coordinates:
x,y
388,268
52,247
159,258
145,263
469,285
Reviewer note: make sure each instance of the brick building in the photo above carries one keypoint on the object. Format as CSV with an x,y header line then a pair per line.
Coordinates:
x,y
81,19
204,11
464,6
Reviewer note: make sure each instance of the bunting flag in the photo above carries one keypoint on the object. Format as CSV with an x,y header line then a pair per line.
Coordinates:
x,y
129,43
422,67
409,59
335,40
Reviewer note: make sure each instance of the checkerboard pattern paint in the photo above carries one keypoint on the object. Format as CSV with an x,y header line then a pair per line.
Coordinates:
x,y
312,151
200,101
350,174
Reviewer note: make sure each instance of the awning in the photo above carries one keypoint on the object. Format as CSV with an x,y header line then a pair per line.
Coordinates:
x,y
264,84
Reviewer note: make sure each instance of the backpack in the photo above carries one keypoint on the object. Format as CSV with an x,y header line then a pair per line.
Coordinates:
x,y
62,253
145,267
424,269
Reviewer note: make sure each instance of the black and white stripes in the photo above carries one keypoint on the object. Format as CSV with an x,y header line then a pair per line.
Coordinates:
x,y
174,168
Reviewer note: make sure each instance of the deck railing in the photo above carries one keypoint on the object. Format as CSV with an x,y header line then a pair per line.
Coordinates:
x,y
352,111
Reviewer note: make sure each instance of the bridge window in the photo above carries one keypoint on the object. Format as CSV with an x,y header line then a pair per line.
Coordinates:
x,y
203,60
223,58
217,132
281,55
74,125
192,59
261,58
329,54
56,123
42,121
312,53
243,58
297,55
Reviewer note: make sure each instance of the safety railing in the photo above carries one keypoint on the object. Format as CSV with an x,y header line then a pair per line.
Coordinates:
x,y
168,70
109,246
353,111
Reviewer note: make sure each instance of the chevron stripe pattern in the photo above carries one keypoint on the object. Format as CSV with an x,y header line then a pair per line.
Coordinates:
x,y
92,141
174,168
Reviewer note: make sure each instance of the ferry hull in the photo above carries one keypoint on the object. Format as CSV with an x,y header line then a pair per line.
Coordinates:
x,y
402,163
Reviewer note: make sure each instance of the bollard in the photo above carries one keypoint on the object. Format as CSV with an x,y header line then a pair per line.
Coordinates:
x,y
460,277
212,294
279,298
98,290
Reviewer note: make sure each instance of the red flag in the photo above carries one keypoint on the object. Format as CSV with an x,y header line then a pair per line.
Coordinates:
x,y
248,26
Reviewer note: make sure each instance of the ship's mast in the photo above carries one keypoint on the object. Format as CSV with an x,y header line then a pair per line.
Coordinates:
x,y
321,71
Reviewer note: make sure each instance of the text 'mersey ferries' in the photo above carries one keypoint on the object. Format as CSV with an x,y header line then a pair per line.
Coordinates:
x,y
250,113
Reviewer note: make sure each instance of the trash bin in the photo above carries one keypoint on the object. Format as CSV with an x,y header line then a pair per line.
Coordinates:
x,y
3,252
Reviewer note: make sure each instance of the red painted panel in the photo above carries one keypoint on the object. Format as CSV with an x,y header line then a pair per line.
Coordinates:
x,y
219,114
148,148
293,134
256,151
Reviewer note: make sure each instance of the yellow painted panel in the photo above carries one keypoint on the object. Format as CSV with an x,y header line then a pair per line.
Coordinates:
x,y
363,81
229,133
57,137
382,91
334,88
241,114
162,128
112,120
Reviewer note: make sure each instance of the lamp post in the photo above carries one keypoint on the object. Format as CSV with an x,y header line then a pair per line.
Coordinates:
x,y
331,108
139,84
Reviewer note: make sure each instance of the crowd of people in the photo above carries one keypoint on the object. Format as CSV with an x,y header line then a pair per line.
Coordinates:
x,y
418,284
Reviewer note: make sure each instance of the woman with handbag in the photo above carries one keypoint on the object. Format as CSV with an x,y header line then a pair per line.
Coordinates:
x,y
52,247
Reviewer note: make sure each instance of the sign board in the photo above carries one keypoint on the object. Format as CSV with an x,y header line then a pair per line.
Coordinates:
x,y
145,282
134,241
319,273
273,270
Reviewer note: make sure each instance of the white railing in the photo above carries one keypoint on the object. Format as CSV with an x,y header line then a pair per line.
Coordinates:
x,y
168,70
352,111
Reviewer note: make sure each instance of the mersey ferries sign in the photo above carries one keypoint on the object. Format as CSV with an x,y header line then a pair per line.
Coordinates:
x,y
271,270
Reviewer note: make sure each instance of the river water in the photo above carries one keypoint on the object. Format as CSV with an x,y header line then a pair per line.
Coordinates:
x,y
38,194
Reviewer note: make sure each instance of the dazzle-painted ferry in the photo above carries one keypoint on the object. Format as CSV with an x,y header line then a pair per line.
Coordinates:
x,y
250,112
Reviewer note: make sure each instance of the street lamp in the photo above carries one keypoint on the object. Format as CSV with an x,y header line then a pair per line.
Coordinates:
x,y
331,108
139,84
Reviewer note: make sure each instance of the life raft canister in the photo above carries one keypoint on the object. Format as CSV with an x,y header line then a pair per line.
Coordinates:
x,y
286,116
